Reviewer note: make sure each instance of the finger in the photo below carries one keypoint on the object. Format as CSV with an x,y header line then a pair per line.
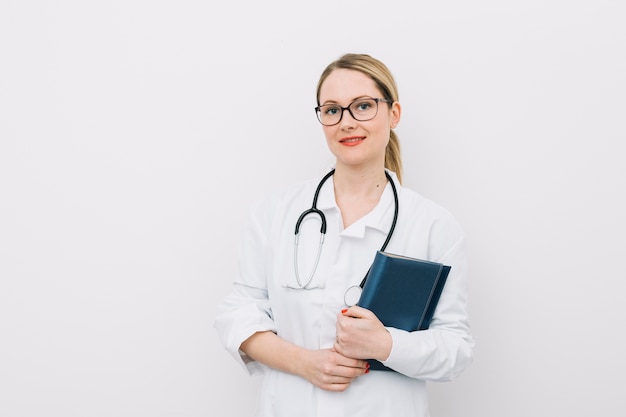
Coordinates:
x,y
356,312
339,387
351,363
345,374
333,382
360,368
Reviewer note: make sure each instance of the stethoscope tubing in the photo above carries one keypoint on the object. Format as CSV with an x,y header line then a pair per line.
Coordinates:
x,y
354,290
312,210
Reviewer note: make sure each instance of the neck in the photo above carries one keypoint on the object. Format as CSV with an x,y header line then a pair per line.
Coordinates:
x,y
359,182
358,192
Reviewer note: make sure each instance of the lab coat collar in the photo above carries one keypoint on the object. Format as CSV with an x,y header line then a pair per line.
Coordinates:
x,y
379,218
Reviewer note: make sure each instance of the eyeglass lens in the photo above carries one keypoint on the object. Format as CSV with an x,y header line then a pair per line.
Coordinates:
x,y
361,110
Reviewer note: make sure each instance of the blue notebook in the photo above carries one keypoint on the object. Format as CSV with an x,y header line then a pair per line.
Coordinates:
x,y
403,292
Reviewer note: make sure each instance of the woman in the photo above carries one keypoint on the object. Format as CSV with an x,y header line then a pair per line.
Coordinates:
x,y
287,316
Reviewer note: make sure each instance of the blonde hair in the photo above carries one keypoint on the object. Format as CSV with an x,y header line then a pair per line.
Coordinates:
x,y
385,82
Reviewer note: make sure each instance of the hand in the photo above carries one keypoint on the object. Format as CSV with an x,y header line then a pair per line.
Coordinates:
x,y
332,371
361,335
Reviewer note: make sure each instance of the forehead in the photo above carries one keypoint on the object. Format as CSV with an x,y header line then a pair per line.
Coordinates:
x,y
343,85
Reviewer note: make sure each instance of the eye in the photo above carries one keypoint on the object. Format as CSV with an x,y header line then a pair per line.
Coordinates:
x,y
330,110
363,105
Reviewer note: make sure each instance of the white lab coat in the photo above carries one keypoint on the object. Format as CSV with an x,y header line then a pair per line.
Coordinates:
x,y
263,300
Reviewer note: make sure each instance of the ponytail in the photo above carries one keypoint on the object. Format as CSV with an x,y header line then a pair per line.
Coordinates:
x,y
393,162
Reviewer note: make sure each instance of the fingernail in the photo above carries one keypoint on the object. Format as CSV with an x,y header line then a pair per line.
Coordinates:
x,y
367,371
344,310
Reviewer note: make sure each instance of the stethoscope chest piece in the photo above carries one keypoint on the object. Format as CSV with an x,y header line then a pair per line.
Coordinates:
x,y
352,295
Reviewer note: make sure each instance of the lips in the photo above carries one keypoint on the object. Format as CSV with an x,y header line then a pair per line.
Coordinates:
x,y
352,140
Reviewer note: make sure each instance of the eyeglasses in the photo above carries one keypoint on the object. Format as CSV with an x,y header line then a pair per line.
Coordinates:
x,y
361,109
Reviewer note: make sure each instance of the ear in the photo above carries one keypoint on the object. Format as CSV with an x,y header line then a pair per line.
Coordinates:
x,y
396,112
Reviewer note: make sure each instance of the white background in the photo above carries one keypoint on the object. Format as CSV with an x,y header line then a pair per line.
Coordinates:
x,y
134,135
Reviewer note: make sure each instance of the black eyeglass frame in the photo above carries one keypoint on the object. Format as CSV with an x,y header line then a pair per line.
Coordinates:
x,y
376,100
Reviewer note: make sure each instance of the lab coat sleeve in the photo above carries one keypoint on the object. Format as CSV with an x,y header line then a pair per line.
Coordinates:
x,y
445,350
246,310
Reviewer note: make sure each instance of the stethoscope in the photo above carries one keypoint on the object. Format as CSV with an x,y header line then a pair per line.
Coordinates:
x,y
354,292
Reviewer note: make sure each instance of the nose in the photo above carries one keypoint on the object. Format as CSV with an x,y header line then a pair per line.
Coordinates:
x,y
347,121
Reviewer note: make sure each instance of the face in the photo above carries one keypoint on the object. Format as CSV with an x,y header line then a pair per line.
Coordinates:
x,y
357,143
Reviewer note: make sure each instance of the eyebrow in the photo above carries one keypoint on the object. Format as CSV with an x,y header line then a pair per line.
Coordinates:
x,y
352,101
